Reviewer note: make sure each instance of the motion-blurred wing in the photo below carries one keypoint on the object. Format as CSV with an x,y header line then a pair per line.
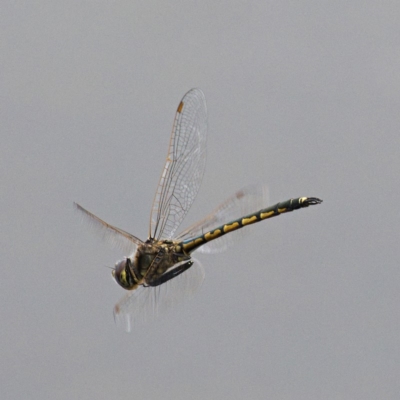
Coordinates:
x,y
116,236
245,201
184,168
146,303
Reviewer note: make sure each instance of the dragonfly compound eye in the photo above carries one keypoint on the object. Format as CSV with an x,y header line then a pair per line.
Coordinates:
x,y
123,274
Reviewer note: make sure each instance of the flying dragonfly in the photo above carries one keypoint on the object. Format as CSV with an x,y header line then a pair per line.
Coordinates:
x,y
160,271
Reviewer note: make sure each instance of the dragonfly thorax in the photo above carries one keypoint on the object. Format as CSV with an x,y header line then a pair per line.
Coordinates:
x,y
151,261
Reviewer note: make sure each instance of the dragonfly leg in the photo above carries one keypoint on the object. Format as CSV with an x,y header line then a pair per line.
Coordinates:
x,y
173,273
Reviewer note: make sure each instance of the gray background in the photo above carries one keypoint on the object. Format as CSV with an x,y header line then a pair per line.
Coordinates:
x,y
302,95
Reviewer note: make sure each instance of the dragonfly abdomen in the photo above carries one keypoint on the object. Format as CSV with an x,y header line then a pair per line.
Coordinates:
x,y
285,206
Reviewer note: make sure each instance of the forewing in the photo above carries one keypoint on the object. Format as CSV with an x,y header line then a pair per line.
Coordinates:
x,y
117,237
146,303
245,201
184,168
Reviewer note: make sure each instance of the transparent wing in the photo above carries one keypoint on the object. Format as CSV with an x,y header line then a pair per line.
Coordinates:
x,y
117,237
146,303
249,199
184,168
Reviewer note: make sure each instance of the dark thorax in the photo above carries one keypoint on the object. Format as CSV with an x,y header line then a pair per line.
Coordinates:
x,y
154,258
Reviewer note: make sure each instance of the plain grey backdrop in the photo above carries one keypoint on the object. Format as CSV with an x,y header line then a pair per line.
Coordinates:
x,y
302,96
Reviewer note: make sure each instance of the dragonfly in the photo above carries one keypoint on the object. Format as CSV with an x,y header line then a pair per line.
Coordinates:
x,y
160,271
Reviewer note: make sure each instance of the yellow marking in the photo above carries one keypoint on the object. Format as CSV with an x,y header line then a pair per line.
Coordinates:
x,y
193,243
267,214
302,199
180,107
213,235
247,221
282,210
187,245
231,227
198,241
122,278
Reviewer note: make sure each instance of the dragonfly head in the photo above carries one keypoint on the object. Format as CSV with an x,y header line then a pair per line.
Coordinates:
x,y
124,275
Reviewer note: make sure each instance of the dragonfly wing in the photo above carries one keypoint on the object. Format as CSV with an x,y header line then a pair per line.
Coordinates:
x,y
117,237
245,201
184,168
146,303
